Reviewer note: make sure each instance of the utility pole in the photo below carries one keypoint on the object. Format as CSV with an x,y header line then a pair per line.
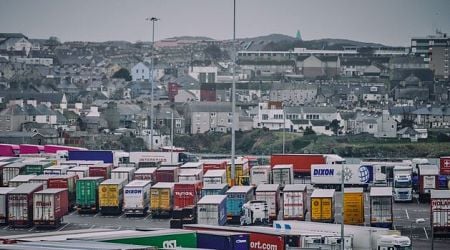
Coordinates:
x,y
153,20
342,209
233,98
284,129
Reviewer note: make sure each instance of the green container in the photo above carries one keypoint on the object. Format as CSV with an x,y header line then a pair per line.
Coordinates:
x,y
36,168
157,239
87,192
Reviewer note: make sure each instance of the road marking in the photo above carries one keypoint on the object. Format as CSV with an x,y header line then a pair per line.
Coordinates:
x,y
63,227
31,229
395,228
96,215
417,199
121,216
73,212
407,215
5,227
147,216
92,226
426,234
119,228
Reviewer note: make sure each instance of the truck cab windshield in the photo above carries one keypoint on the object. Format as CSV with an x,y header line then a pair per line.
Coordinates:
x,y
403,184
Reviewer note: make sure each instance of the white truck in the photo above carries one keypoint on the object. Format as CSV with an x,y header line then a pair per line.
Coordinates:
x,y
136,197
403,183
255,213
364,238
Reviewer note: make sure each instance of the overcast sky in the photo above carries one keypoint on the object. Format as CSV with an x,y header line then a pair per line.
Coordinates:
x,y
392,22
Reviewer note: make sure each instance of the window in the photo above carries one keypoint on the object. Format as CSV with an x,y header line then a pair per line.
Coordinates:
x,y
137,71
265,117
47,118
34,118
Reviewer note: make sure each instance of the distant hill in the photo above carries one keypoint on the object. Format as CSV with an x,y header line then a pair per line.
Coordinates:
x,y
191,38
280,42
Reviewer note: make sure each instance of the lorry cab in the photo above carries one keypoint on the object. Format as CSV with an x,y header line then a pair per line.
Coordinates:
x,y
394,242
403,183
255,213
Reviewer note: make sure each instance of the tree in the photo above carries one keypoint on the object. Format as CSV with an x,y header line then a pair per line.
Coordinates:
x,y
122,73
309,131
334,126
213,52
112,116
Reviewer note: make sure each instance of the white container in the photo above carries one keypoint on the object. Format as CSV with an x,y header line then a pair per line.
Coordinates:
x,y
211,210
82,171
41,179
20,179
136,197
260,175
126,173
270,193
294,201
330,174
190,174
215,176
283,174
56,170
10,171
4,204
145,174
196,165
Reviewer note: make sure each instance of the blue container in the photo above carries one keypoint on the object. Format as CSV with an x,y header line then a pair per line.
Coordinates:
x,y
443,182
223,240
107,156
214,189
237,196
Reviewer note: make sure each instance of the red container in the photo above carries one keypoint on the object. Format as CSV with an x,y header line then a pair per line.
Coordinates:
x,y
9,150
260,241
445,165
49,207
186,194
166,174
101,170
302,162
68,182
214,164
145,174
20,205
31,149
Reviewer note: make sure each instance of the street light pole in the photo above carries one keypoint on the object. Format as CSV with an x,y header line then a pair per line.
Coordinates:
x,y
233,99
284,129
342,209
153,20
171,139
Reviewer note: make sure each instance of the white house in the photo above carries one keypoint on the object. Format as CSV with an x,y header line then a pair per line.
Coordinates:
x,y
386,126
211,116
15,42
140,71
270,116
204,74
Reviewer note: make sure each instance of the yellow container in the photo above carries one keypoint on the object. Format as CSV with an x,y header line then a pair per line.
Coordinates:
x,y
322,205
242,170
161,196
354,206
110,193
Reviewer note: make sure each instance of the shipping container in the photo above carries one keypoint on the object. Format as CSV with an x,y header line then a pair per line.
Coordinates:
x,y
354,206
136,197
241,169
322,205
440,213
145,174
31,149
4,204
162,239
92,155
214,189
68,182
164,157
195,165
223,240
20,179
77,163
81,172
56,170
214,164
49,207
12,170
36,168
110,196
283,174
87,194
2,165
53,149
42,179
190,174
237,196
212,210
186,194
302,162
166,174
444,168
381,213
73,245
270,193
428,180
9,150
125,173
330,176
294,202
161,199
260,175
20,205
215,176
101,170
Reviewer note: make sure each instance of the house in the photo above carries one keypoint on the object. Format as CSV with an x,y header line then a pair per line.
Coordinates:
x,y
354,66
15,42
293,94
141,71
319,66
412,90
270,116
210,116
163,120
412,134
18,112
204,74
386,126
432,117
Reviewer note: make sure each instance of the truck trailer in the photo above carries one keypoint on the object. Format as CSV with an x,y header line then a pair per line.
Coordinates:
x,y
330,176
136,197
